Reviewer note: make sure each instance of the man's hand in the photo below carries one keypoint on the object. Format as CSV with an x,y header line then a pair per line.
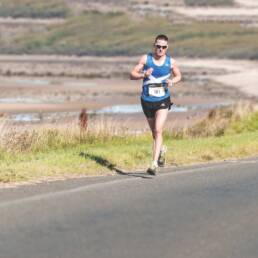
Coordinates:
x,y
148,72
169,82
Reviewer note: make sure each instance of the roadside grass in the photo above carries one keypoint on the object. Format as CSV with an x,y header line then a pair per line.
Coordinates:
x,y
239,118
55,153
34,9
119,34
249,124
103,159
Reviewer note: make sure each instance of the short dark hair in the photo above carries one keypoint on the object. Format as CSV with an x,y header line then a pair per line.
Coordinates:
x,y
161,37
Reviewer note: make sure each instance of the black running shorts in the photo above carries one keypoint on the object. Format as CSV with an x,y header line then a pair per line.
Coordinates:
x,y
150,108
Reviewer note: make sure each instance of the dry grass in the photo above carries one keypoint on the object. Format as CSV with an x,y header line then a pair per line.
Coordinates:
x,y
218,121
61,151
15,139
240,117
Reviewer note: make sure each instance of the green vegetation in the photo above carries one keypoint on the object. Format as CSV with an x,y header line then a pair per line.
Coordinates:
x,y
239,118
67,152
118,34
33,9
104,158
209,2
248,124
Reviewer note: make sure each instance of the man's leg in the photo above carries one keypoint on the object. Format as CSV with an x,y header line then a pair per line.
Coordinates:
x,y
151,122
160,118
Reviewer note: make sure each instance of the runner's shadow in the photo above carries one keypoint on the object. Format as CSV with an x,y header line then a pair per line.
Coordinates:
x,y
105,163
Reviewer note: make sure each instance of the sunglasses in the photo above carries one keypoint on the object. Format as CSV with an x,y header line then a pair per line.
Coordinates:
x,y
159,46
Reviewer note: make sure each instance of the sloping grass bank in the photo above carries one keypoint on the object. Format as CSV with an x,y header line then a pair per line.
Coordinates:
x,y
56,153
62,8
34,9
119,34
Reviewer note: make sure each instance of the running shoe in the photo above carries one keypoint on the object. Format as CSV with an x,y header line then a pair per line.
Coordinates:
x,y
152,170
162,156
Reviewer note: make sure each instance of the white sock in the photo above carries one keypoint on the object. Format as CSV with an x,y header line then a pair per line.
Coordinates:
x,y
155,163
163,149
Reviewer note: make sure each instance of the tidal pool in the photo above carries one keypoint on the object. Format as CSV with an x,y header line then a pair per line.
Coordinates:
x,y
117,109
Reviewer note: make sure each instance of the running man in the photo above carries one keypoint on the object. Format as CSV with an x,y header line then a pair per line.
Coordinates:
x,y
156,69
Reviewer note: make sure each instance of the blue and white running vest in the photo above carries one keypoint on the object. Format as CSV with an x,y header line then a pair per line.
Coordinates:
x,y
159,75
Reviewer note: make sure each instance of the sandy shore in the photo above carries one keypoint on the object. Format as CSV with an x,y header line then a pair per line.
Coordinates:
x,y
117,67
39,84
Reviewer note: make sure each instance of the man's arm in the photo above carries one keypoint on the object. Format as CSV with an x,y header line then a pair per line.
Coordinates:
x,y
176,73
137,72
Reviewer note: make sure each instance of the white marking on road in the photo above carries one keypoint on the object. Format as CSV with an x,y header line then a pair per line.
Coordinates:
x,y
244,161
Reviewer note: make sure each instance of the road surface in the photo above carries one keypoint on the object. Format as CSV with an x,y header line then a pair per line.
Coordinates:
x,y
198,212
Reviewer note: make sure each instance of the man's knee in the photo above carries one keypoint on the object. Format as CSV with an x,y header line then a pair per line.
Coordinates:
x,y
157,132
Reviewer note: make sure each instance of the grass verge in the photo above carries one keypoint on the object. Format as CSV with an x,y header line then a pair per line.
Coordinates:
x,y
224,134
102,159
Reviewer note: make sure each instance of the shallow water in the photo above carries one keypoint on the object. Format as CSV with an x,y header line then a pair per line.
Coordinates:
x,y
42,82
29,100
117,109
131,109
21,100
30,117
32,81
80,84
38,117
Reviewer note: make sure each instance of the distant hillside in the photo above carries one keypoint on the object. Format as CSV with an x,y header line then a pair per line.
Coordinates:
x,y
110,31
33,8
119,34
62,8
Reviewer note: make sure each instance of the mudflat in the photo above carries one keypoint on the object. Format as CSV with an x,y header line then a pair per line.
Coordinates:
x,y
43,85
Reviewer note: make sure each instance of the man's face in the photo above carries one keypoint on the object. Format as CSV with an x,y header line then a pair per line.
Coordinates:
x,y
161,47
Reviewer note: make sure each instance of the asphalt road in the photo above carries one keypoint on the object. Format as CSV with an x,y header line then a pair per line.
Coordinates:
x,y
198,212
